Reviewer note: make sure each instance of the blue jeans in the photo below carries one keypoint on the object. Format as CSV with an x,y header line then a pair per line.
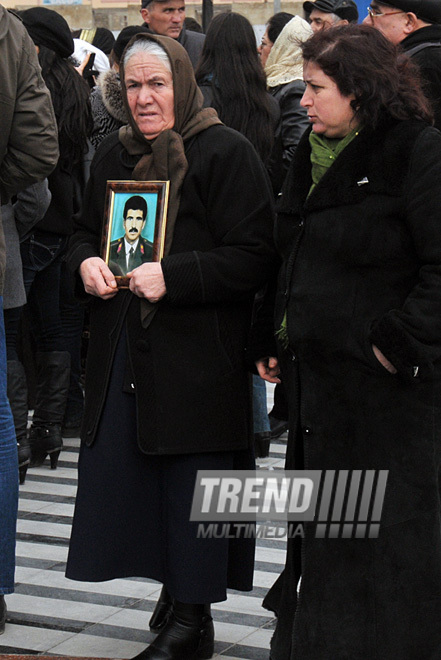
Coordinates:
x,y
8,477
260,412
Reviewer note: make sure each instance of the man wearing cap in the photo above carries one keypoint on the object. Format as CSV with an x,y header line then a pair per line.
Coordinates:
x,y
324,14
167,17
416,26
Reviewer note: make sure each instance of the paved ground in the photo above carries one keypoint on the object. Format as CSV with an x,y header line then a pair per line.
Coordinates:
x,y
53,615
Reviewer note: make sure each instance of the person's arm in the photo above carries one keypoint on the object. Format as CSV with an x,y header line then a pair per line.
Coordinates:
x,y
85,243
30,207
410,337
32,150
240,215
294,120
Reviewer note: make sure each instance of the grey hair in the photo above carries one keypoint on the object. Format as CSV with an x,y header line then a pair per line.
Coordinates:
x,y
150,47
334,17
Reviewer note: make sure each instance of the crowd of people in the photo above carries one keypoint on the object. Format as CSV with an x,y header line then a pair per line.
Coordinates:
x,y
301,246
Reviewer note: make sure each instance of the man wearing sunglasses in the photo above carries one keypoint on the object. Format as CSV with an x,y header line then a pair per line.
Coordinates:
x,y
416,26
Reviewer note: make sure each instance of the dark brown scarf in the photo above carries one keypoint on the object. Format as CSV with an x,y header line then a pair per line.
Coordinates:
x,y
163,159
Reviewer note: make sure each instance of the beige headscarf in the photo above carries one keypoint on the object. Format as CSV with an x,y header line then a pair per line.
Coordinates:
x,y
163,159
285,62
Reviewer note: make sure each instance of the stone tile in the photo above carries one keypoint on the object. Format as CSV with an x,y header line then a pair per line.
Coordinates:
x,y
64,610
30,637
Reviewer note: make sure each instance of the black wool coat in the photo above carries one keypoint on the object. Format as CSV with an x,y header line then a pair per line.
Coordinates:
x,y
428,60
362,266
188,368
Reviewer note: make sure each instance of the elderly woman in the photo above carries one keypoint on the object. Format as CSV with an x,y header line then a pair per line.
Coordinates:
x,y
359,321
167,393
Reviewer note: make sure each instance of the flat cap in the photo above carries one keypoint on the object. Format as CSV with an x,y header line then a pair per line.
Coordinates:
x,y
426,10
344,9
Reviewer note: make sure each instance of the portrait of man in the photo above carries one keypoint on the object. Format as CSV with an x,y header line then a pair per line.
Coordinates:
x,y
132,249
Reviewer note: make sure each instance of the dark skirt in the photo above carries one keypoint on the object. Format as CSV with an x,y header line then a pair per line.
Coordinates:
x,y
132,512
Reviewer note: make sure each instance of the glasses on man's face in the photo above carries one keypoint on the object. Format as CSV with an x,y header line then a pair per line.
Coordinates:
x,y
374,12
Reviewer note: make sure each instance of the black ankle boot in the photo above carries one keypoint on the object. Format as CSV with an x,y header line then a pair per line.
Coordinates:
x,y
18,400
161,612
45,441
53,375
187,635
3,611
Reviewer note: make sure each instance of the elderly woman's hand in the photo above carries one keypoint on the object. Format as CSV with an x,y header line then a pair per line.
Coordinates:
x,y
382,359
98,278
268,369
147,281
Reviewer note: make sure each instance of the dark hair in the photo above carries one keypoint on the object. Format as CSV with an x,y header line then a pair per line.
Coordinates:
x,y
363,63
192,25
276,24
230,61
70,98
136,203
123,39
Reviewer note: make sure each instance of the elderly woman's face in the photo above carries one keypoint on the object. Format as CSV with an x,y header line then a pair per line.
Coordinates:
x,y
329,112
150,94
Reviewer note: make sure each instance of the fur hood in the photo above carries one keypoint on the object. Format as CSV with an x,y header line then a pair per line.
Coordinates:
x,y
110,87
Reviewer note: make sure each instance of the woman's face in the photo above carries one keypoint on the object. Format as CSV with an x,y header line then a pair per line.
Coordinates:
x,y
265,48
150,94
329,112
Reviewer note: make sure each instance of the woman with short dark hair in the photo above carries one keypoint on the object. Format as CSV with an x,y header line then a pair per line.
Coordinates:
x,y
358,320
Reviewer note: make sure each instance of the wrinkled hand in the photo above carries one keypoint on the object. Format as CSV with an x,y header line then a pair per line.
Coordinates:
x,y
268,369
147,281
383,360
98,279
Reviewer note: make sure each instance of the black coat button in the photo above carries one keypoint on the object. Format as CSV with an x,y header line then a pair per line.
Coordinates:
x,y
142,345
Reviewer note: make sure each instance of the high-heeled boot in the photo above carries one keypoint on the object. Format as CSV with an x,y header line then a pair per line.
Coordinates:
x,y
162,611
3,611
18,400
187,635
262,442
53,372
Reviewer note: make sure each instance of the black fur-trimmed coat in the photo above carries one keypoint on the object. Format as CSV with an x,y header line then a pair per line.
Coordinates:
x,y
108,110
362,266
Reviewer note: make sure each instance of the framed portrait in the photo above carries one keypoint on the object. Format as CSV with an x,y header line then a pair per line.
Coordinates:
x,y
135,223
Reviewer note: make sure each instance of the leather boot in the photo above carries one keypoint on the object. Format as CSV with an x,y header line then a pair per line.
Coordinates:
x,y
187,635
18,400
53,374
3,611
162,611
262,444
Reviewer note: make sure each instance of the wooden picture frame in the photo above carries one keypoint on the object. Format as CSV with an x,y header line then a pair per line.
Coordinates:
x,y
135,222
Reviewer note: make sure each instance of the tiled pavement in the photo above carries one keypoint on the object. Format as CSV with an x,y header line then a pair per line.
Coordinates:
x,y
53,615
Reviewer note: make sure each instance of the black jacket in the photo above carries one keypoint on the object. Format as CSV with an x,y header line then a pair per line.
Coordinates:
x,y
191,41
362,266
429,63
188,367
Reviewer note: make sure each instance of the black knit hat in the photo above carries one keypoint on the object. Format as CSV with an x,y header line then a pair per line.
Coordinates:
x,y
124,37
47,28
344,9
